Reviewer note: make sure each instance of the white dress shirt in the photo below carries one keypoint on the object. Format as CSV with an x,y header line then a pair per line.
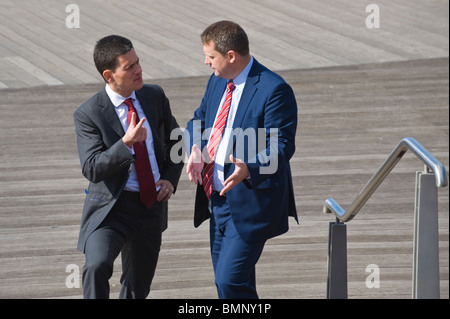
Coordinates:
x,y
122,112
221,153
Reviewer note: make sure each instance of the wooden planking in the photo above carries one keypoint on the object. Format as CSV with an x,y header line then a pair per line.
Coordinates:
x,y
288,34
350,119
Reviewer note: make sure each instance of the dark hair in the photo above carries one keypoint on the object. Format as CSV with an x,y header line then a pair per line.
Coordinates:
x,y
108,49
227,36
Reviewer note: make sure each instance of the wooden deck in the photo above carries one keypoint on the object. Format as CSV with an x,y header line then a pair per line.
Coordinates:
x,y
37,47
350,119
359,90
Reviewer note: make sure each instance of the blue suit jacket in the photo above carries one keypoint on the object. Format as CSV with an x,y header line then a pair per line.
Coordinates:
x,y
261,205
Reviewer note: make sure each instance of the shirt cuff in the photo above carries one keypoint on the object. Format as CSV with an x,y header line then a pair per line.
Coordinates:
x,y
130,149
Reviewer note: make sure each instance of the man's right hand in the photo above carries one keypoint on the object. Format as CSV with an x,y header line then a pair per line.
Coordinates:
x,y
195,165
135,132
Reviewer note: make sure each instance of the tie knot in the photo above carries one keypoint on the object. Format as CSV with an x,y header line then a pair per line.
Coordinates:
x,y
129,103
231,86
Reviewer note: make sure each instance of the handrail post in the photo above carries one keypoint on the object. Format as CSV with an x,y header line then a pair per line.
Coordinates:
x,y
426,238
337,261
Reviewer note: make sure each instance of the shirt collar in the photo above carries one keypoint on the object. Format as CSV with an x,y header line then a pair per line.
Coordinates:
x,y
242,77
116,98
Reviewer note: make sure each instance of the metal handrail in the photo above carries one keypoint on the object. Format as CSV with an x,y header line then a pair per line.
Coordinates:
x,y
331,206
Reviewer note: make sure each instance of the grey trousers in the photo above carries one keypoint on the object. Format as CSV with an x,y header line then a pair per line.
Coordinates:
x,y
134,231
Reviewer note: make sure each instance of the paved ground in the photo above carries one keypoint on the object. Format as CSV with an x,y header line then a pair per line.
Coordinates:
x,y
359,90
37,47
350,119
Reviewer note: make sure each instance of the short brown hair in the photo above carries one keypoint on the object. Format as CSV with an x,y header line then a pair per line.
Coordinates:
x,y
227,36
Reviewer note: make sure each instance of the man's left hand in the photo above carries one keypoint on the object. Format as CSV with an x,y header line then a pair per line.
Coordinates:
x,y
166,190
240,173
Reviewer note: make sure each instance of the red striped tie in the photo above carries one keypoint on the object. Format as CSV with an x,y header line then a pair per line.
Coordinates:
x,y
214,141
147,187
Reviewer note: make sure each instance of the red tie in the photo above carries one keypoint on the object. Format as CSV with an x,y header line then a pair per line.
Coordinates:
x,y
214,141
144,173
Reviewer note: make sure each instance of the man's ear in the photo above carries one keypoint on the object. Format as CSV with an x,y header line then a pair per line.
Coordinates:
x,y
107,75
232,56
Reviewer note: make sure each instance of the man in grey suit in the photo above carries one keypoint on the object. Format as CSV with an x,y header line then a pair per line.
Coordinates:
x,y
121,127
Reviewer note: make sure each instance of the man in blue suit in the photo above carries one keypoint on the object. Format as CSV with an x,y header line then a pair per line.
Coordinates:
x,y
242,171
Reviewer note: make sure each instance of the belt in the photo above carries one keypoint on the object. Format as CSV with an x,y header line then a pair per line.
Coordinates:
x,y
134,196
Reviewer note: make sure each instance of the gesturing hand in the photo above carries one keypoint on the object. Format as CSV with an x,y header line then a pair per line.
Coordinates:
x,y
135,132
240,173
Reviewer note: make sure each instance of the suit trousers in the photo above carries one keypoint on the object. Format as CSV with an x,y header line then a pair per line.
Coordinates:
x,y
233,259
132,230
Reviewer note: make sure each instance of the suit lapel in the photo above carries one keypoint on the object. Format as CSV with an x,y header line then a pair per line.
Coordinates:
x,y
247,95
149,111
151,115
109,113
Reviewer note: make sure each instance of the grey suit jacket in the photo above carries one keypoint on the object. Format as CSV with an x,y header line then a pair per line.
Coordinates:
x,y
106,161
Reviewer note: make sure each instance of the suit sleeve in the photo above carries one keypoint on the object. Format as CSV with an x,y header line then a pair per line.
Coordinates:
x,y
170,171
97,160
196,126
280,123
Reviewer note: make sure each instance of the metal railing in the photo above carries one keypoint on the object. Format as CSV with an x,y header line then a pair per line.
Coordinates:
x,y
426,250
408,143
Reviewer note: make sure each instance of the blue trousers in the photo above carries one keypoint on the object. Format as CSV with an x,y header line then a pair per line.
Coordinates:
x,y
233,259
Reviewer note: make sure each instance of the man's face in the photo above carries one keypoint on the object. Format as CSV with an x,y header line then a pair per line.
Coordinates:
x,y
219,63
127,76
